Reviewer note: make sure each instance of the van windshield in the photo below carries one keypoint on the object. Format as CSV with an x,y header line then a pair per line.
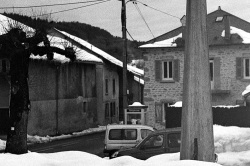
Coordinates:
x,y
123,134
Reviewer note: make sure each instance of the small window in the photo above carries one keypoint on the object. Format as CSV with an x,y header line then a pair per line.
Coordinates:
x,y
174,140
107,110
106,86
219,19
112,109
114,90
247,68
167,69
123,134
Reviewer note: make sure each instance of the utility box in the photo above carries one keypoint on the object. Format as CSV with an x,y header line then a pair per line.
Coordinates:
x,y
135,114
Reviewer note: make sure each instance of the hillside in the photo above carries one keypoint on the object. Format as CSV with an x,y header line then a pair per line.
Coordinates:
x,y
94,35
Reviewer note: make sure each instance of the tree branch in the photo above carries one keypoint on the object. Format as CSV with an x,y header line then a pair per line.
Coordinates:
x,y
41,50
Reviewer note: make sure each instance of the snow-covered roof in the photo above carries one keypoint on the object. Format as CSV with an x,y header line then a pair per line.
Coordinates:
x,y
169,42
243,34
246,92
140,80
164,43
103,54
81,55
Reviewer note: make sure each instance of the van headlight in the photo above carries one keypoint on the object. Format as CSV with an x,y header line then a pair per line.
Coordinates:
x,y
115,154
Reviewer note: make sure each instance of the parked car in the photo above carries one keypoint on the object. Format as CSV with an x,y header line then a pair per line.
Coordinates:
x,y
158,142
124,136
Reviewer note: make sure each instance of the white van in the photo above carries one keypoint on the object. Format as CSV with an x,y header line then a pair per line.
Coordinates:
x,y
124,136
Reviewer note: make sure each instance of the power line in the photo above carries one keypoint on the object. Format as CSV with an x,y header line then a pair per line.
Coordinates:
x,y
138,9
102,1
130,35
58,4
158,10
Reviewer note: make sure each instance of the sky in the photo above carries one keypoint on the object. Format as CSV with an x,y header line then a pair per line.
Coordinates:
x,y
232,144
107,15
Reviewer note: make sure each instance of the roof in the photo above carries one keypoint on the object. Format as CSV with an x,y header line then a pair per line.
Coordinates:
x,y
102,54
81,56
215,29
119,126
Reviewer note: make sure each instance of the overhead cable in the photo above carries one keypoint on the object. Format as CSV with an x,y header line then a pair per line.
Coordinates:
x,y
138,9
58,4
71,9
158,10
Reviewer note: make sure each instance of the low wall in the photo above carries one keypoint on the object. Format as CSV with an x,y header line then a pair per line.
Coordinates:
x,y
236,116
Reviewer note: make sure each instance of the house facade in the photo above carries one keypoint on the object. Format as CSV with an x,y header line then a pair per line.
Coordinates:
x,y
229,55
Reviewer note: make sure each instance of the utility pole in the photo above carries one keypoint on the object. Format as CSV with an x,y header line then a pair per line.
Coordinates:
x,y
197,121
124,37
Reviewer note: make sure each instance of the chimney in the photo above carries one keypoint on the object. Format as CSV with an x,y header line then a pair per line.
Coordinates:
x,y
227,27
183,23
219,8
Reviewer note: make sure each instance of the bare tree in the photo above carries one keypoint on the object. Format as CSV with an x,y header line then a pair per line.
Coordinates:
x,y
17,46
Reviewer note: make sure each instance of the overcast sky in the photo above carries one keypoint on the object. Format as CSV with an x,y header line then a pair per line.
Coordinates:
x,y
107,15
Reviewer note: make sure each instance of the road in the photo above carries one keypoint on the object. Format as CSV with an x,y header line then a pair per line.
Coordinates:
x,y
92,143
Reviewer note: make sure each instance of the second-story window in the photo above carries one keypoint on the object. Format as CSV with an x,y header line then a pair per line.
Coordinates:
x,y
106,86
211,66
114,87
167,70
167,73
246,70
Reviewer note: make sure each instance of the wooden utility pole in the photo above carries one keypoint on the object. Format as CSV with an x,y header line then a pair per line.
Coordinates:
x,y
197,122
124,37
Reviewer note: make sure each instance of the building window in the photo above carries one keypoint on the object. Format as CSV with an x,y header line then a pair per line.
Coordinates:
x,y
246,70
167,70
106,86
219,19
107,110
112,109
114,87
211,66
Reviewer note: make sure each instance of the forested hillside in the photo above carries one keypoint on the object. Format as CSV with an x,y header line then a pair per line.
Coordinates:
x,y
94,35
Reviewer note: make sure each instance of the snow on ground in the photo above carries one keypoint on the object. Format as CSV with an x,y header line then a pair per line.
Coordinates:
x,y
232,144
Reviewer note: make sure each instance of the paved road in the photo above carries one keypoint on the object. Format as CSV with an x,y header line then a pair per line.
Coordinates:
x,y
92,143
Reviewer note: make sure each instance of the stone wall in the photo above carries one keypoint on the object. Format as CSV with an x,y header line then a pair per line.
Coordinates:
x,y
227,87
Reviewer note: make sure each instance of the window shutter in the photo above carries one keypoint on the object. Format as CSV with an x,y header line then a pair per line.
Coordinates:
x,y
158,70
158,112
176,70
217,73
239,68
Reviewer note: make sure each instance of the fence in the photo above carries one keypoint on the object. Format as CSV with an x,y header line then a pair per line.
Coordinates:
x,y
236,116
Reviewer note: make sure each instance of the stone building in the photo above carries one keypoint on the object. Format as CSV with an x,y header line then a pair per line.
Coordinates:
x,y
229,52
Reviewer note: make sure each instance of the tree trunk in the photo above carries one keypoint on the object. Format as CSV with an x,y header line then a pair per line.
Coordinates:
x,y
19,103
197,122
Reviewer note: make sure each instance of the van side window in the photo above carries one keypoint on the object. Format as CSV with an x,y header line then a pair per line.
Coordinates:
x,y
145,132
174,140
123,134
